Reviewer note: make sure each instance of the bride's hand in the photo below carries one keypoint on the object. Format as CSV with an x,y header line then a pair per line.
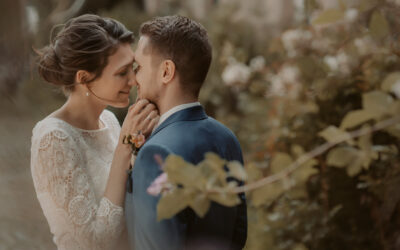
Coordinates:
x,y
142,116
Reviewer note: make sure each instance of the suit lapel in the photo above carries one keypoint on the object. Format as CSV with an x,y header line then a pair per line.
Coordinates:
x,y
189,114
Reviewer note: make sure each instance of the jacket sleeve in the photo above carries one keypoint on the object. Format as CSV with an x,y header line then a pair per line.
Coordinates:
x,y
149,233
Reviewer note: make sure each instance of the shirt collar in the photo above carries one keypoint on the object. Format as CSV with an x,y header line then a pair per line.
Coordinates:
x,y
176,109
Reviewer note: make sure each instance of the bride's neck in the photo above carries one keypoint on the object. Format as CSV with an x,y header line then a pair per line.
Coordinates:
x,y
81,112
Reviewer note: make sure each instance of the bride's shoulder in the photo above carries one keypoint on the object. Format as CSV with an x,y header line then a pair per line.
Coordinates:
x,y
49,128
110,118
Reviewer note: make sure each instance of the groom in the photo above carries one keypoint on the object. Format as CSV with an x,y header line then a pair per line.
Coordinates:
x,y
173,57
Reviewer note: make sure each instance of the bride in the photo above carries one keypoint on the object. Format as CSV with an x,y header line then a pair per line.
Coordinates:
x,y
79,162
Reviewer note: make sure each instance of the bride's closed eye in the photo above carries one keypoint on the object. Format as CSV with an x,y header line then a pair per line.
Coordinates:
x,y
136,67
123,73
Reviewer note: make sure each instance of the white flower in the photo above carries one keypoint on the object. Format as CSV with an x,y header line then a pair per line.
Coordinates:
x,y
351,15
322,45
286,82
295,39
236,73
257,63
289,73
364,45
277,86
341,63
396,89
343,58
332,62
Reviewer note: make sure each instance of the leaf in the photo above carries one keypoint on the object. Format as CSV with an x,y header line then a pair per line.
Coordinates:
x,y
394,109
305,171
365,144
280,161
342,156
237,170
377,102
334,134
200,204
266,193
297,150
355,168
172,202
216,163
348,157
390,79
378,26
181,172
328,16
298,192
226,199
355,118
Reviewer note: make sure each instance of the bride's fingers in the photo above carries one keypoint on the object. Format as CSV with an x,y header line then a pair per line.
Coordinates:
x,y
149,118
144,123
137,107
130,118
153,122
146,112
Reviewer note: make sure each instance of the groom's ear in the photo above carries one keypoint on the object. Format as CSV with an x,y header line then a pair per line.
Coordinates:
x,y
168,71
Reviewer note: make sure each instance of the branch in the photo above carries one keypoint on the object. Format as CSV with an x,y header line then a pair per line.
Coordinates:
x,y
310,155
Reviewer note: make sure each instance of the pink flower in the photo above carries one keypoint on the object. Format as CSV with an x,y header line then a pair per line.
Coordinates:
x,y
158,185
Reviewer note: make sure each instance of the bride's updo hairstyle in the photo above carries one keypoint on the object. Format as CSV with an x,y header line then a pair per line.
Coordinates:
x,y
83,43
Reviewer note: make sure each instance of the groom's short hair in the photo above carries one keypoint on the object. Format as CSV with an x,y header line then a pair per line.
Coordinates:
x,y
186,43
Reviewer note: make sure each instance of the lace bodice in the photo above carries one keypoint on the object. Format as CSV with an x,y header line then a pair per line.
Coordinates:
x,y
70,168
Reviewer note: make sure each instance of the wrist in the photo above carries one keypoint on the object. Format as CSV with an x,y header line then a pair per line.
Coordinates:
x,y
124,150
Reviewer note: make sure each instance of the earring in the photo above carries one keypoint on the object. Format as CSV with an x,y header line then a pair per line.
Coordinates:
x,y
87,93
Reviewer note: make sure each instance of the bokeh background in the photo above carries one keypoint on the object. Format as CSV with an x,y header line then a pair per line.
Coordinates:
x,y
282,72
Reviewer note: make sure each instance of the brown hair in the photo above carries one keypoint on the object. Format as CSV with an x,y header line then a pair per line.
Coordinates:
x,y
186,43
84,43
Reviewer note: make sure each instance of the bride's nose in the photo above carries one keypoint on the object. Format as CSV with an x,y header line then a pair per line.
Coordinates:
x,y
132,79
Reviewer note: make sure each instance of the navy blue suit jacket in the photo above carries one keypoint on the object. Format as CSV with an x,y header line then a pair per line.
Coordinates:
x,y
189,133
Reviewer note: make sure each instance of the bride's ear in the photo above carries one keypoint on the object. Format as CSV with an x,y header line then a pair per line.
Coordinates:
x,y
82,77
168,71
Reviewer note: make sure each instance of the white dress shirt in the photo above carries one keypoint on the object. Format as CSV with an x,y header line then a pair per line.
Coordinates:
x,y
174,110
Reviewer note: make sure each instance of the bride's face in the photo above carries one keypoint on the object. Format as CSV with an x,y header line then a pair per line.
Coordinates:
x,y
114,85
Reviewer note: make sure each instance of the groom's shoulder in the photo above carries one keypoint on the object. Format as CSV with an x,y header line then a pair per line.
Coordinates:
x,y
194,132
220,125
219,128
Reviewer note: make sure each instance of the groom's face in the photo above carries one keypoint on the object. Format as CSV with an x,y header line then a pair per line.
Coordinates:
x,y
147,71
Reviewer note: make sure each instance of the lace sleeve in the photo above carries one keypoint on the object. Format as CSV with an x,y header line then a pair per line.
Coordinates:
x,y
67,198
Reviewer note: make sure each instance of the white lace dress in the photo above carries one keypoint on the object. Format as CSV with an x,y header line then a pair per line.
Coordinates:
x,y
70,168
